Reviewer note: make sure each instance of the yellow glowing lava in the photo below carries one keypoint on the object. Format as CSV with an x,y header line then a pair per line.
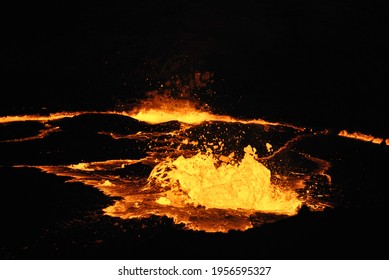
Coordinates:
x,y
198,180
81,166
160,108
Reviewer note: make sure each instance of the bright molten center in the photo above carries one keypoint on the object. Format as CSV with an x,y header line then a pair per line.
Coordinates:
x,y
202,181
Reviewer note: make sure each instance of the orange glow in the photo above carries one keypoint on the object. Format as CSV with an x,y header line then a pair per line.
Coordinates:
x,y
363,137
39,118
162,108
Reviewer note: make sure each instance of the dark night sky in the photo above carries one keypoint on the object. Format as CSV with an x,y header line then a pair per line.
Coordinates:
x,y
321,63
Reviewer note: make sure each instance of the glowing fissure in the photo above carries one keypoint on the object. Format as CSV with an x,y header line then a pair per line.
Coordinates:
x,y
41,134
40,118
364,137
246,185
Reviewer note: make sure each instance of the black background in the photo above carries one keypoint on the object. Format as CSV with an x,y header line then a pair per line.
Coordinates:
x,y
316,63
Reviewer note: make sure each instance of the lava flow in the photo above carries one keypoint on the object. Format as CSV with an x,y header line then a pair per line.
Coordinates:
x,y
168,157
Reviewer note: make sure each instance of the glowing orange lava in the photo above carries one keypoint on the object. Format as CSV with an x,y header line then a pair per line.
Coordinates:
x,y
197,181
363,137
159,109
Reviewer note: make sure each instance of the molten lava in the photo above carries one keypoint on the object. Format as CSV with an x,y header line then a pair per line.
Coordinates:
x,y
160,109
201,170
363,137
246,185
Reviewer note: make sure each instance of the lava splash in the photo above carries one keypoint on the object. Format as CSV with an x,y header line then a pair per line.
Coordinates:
x,y
244,185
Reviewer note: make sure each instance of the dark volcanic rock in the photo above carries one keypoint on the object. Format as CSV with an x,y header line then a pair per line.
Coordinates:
x,y
70,147
93,123
20,130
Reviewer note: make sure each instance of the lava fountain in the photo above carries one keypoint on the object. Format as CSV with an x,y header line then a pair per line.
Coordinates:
x,y
199,181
